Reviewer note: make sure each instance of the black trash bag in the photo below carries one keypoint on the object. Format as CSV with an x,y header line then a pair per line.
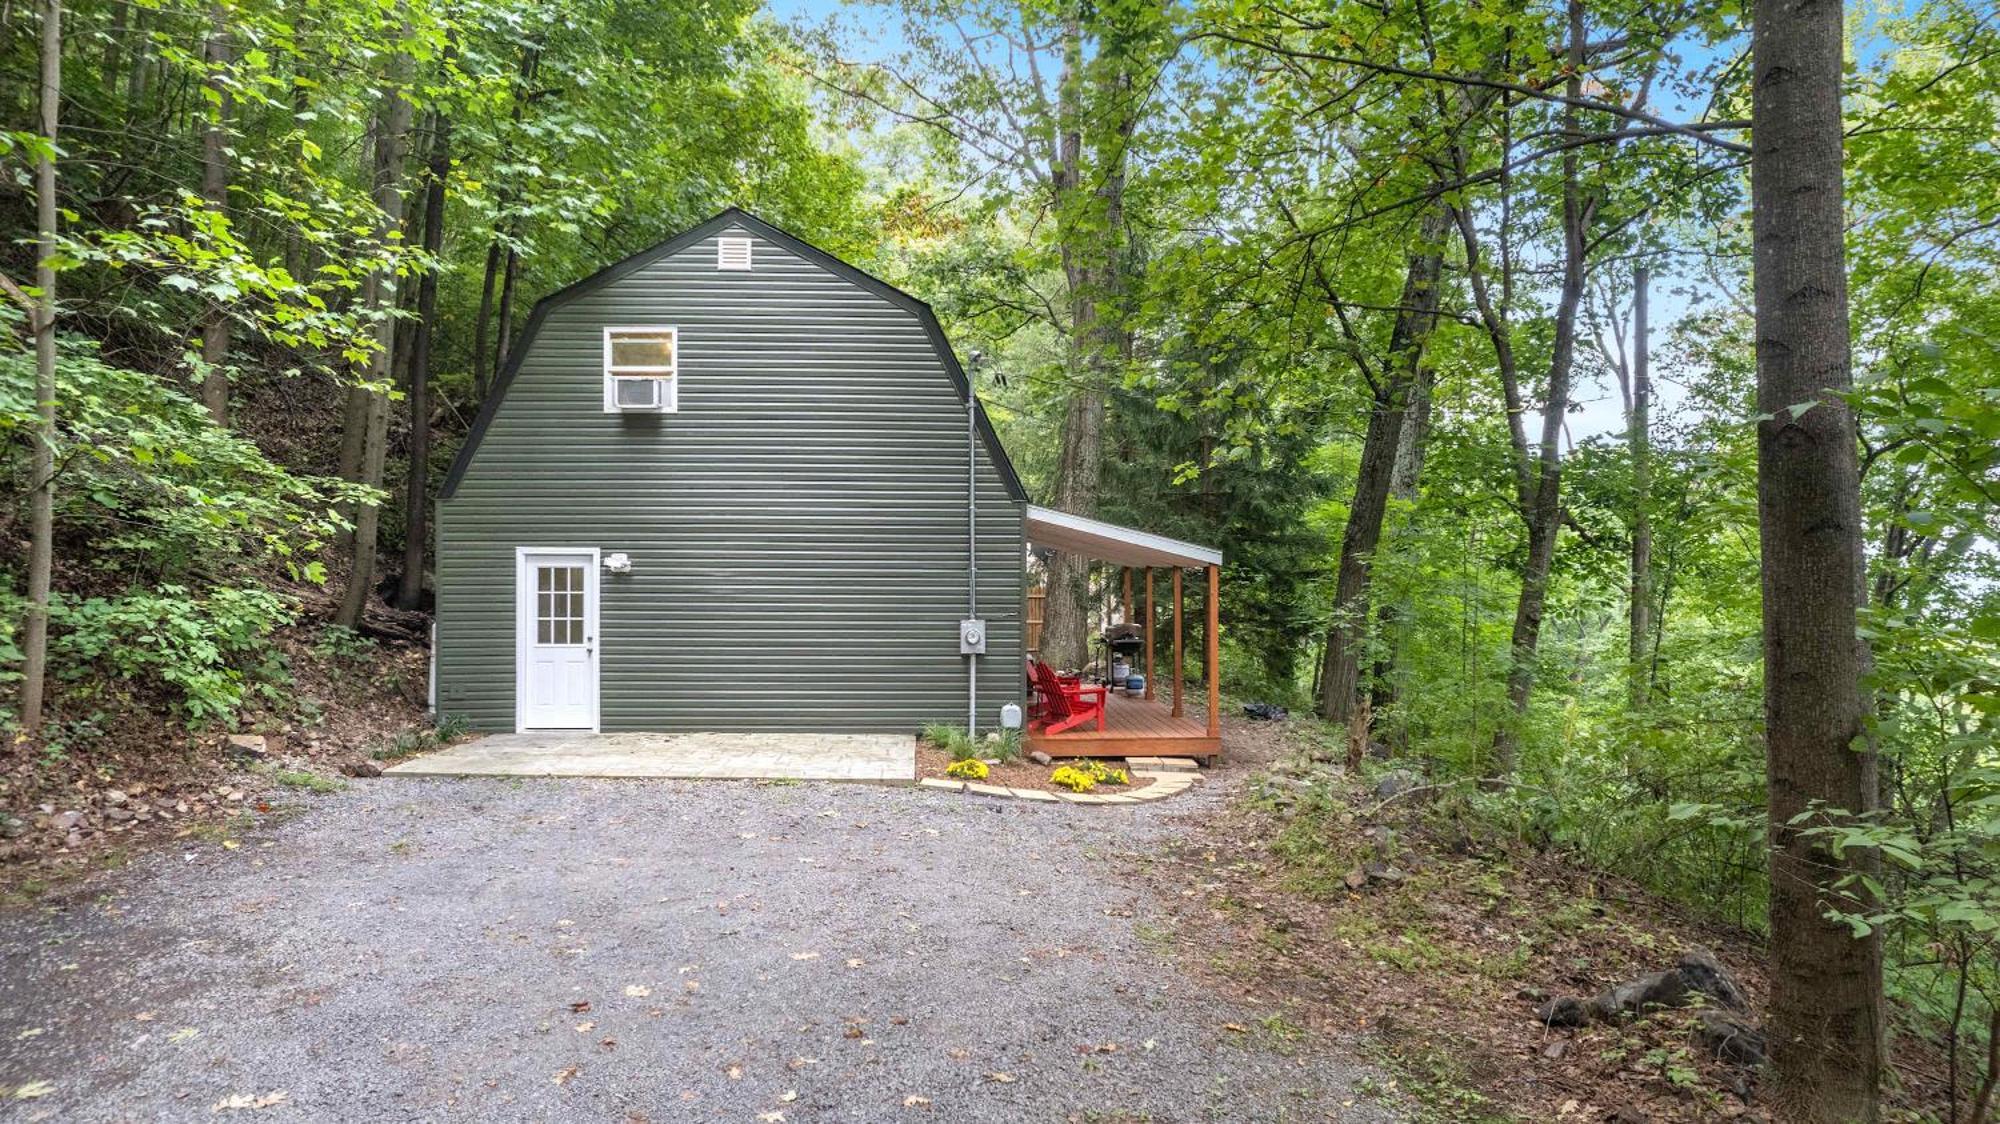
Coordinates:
x,y
1266,712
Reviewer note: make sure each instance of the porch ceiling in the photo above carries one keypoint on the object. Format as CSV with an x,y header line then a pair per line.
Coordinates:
x,y
1108,542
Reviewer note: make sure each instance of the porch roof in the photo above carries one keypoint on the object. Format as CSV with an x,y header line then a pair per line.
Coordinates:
x,y
1108,542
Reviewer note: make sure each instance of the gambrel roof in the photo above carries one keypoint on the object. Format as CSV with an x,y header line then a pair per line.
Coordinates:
x,y
733,217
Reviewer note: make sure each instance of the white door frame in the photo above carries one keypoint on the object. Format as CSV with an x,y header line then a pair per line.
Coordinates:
x,y
524,627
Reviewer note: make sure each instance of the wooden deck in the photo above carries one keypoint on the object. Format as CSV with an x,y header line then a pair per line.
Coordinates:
x,y
1133,728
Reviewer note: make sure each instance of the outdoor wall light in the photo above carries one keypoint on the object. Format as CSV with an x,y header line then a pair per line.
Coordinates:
x,y
620,563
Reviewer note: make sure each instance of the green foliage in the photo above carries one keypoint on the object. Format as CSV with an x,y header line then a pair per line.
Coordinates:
x,y
344,645
311,782
183,521
157,487
415,740
1003,746
201,648
951,739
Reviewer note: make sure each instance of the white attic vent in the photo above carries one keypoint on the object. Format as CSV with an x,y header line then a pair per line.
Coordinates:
x,y
732,253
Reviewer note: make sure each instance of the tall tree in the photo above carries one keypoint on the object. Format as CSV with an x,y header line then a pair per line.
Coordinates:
x,y
1098,105
416,495
502,246
216,52
41,460
1391,391
369,412
1049,123
1635,387
1826,983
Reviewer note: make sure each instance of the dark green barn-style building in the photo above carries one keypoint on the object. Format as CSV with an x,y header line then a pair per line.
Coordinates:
x,y
724,485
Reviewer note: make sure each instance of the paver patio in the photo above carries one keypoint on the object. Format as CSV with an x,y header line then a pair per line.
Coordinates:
x,y
877,758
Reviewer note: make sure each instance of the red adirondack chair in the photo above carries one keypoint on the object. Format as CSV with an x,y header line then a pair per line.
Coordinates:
x,y
1066,703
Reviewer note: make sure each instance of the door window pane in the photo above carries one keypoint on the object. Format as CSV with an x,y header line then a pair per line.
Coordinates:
x,y
559,611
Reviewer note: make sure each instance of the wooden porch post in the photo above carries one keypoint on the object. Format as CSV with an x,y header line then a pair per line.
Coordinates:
x,y
1151,620
1214,651
1177,642
1128,594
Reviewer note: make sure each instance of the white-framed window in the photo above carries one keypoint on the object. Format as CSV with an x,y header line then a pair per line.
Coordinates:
x,y
641,370
732,253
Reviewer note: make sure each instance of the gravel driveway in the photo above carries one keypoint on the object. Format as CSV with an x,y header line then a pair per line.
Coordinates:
x,y
581,950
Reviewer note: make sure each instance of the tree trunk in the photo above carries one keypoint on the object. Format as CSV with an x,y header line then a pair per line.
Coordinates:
x,y
114,48
1403,488
41,459
1091,225
1543,513
1065,612
1637,665
502,250
1340,680
417,489
509,277
1826,985
354,410
483,323
139,67
216,57
392,138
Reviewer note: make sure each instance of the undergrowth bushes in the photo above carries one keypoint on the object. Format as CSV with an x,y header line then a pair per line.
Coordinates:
x,y
173,532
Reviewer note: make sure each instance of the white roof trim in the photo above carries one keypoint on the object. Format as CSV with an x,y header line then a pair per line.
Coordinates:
x,y
1109,542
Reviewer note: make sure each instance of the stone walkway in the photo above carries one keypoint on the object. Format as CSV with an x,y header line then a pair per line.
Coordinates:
x,y
875,758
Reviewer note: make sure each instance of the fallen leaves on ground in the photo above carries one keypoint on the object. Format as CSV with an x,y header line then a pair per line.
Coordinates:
x,y
1001,1078
563,1076
914,1101
34,1089
637,991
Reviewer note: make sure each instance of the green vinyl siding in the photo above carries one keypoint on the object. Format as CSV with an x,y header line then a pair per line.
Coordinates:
x,y
797,529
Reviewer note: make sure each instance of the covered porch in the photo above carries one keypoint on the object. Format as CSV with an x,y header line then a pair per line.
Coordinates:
x,y
1155,723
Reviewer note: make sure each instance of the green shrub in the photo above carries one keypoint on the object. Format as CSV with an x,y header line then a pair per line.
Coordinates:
x,y
178,524
951,739
337,642
200,647
1005,748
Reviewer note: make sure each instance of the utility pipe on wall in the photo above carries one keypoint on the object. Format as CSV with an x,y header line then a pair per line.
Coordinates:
x,y
972,539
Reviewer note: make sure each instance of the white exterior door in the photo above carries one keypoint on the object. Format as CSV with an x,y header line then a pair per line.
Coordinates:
x,y
557,630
